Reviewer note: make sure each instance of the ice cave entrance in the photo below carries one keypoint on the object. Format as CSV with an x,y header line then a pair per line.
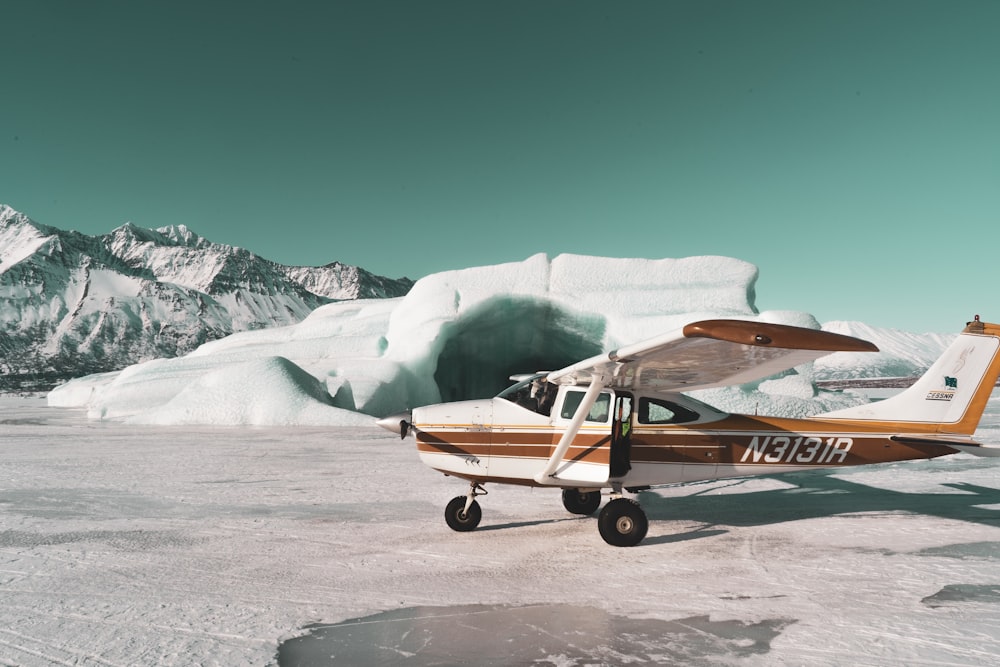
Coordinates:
x,y
507,335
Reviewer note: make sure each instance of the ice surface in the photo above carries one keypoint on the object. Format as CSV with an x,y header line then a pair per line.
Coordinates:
x,y
332,337
502,636
176,546
231,395
456,335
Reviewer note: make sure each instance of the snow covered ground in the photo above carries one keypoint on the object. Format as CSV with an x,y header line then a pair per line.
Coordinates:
x,y
135,545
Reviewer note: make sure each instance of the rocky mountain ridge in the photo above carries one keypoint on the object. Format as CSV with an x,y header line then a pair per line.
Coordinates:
x,y
73,304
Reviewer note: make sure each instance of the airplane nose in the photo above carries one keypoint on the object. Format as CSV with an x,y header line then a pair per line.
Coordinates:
x,y
398,423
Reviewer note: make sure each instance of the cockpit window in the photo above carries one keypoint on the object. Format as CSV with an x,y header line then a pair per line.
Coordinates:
x,y
522,387
659,411
533,393
598,413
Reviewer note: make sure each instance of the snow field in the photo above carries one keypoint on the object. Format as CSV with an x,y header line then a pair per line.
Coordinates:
x,y
124,545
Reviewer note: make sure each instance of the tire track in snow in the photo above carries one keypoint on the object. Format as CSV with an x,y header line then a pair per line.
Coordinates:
x,y
75,656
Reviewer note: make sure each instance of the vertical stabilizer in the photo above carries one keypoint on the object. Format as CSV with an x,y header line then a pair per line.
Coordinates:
x,y
950,396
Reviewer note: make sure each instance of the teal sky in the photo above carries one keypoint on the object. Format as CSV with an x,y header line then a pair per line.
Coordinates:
x,y
851,150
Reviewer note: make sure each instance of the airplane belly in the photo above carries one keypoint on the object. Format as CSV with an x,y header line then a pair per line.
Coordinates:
x,y
647,473
459,452
659,458
653,474
464,467
522,454
519,454
454,438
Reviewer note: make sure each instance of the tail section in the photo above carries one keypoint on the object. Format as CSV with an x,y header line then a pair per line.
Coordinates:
x,y
950,396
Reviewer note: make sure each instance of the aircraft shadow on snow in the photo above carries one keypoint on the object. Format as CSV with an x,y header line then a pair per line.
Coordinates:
x,y
816,494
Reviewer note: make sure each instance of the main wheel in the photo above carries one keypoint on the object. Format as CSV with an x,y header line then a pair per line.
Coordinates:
x,y
458,519
622,523
579,502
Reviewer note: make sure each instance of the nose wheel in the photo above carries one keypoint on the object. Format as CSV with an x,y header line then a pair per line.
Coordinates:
x,y
463,512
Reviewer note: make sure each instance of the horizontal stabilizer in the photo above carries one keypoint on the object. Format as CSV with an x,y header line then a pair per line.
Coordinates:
x,y
969,446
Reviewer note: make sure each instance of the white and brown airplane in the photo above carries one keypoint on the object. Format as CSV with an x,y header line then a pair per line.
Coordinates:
x,y
619,421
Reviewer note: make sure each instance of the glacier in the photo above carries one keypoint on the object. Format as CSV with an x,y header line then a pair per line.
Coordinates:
x,y
457,335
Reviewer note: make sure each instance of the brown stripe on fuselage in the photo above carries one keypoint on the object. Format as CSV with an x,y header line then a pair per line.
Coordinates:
x,y
743,440
738,440
446,437
469,444
586,447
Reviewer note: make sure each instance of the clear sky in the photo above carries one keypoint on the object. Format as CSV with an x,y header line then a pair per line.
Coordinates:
x,y
851,150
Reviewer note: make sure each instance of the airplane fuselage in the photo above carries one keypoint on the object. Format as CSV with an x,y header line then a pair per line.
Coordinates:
x,y
496,440
623,420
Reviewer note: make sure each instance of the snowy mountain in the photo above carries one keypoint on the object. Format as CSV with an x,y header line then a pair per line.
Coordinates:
x,y
902,355
72,304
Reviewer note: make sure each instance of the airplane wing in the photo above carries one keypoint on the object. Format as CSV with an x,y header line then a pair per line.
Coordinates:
x,y
710,353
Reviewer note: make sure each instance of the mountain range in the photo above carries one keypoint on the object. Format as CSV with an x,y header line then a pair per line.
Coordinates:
x,y
73,304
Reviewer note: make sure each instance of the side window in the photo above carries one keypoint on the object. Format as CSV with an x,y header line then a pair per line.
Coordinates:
x,y
599,413
657,411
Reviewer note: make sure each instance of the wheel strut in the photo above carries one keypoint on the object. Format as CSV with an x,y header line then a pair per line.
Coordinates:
x,y
463,512
475,489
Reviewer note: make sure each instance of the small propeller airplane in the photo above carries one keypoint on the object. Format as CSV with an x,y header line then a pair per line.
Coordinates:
x,y
620,421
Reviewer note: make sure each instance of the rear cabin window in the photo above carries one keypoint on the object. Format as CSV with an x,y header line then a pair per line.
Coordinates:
x,y
659,411
599,413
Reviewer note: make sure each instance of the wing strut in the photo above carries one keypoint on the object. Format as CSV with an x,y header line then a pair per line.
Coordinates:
x,y
547,476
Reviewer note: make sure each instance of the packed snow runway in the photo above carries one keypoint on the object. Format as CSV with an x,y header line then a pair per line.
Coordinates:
x,y
127,545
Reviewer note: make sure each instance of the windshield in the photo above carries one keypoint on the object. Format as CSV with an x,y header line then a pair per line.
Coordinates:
x,y
532,393
524,385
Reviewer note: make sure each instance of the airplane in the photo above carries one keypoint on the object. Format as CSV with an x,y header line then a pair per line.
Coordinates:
x,y
621,421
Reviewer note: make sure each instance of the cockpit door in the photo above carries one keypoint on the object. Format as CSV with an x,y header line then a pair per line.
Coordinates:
x,y
621,436
588,457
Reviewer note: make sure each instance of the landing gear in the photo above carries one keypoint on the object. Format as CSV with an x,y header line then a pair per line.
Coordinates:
x,y
622,523
461,519
581,502
463,512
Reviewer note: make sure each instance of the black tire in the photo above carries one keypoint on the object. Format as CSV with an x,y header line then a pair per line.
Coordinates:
x,y
460,520
579,502
623,523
